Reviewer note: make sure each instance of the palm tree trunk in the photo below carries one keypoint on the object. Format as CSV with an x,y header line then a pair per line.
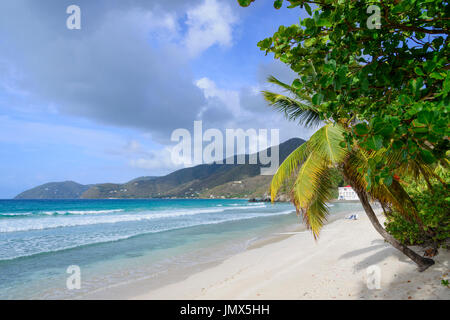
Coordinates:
x,y
422,263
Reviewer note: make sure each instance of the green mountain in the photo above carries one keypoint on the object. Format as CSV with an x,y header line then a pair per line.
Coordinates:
x,y
206,181
55,190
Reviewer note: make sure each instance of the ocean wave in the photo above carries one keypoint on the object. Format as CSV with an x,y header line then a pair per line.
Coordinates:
x,y
96,212
57,212
25,224
63,248
109,238
79,212
16,214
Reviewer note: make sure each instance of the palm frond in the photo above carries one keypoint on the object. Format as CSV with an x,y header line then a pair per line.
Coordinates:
x,y
296,93
307,178
414,168
312,162
325,142
287,168
356,168
315,213
293,109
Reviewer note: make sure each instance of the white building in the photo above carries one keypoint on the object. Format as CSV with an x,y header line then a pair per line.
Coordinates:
x,y
347,193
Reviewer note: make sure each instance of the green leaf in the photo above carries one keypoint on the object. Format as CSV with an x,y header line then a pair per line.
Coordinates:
x,y
265,44
323,22
361,129
277,4
404,99
317,99
427,156
388,180
379,127
398,8
245,3
309,23
330,65
297,84
420,129
397,144
446,85
375,143
308,8
419,71
425,117
364,84
437,76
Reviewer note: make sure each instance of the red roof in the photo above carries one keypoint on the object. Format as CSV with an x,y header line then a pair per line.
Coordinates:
x,y
349,186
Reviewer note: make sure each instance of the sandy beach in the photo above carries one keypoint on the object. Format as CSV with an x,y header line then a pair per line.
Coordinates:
x,y
298,267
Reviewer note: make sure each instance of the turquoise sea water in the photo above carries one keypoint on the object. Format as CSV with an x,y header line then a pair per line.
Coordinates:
x,y
120,241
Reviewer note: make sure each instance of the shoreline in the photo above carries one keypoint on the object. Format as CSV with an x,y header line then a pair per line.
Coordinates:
x,y
297,267
128,289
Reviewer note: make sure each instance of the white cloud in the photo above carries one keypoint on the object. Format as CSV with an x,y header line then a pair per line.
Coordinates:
x,y
246,108
229,98
155,160
209,24
133,146
120,71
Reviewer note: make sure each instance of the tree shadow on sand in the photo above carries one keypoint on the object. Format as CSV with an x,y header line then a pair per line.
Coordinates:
x,y
407,283
377,257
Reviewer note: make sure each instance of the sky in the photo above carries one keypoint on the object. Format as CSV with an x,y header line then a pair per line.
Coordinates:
x,y
99,104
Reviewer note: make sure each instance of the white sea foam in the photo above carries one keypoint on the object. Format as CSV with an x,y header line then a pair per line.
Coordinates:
x,y
59,212
15,214
27,224
112,238
82,212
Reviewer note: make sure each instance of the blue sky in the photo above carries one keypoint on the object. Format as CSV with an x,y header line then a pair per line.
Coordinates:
x,y
99,104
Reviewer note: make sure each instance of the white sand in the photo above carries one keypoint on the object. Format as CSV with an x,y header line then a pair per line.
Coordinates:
x,y
300,268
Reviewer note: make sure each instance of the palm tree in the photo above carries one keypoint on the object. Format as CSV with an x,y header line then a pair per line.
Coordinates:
x,y
310,166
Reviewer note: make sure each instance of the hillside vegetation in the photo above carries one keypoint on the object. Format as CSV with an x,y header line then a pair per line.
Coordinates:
x,y
202,181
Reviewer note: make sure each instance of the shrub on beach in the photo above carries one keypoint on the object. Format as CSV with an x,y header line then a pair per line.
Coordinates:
x,y
433,207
